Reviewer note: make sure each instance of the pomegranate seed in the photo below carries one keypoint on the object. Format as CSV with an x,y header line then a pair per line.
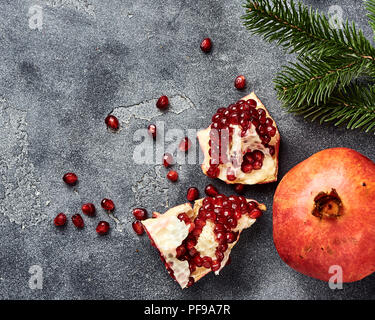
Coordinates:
x,y
167,160
240,82
102,228
219,255
180,251
251,103
190,282
152,130
138,227
198,261
185,144
70,178
255,213
246,167
207,261
88,209
78,221
211,191
107,204
271,150
192,194
257,165
172,176
213,172
239,187
230,175
162,102
231,237
112,122
140,213
222,247
184,217
258,155
60,220
215,266
206,45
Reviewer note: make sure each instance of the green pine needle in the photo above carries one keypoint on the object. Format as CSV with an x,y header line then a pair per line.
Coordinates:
x,y
321,84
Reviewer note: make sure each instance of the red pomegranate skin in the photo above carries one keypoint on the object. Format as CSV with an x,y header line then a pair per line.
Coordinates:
x,y
311,245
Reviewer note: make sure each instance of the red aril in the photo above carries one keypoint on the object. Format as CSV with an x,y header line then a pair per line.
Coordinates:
x,y
70,178
192,194
78,221
185,144
88,209
206,45
60,220
152,130
102,228
107,204
162,103
240,82
112,122
172,176
167,160
211,191
140,213
138,227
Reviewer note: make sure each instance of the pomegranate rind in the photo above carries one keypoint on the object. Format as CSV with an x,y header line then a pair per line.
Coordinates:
x,y
312,245
165,222
269,170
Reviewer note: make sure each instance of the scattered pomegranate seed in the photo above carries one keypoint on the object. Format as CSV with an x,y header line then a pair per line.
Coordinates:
x,y
240,82
172,176
211,191
138,227
152,130
190,282
140,213
107,204
162,102
88,209
112,122
60,220
70,178
239,188
192,194
255,213
167,160
102,228
206,45
185,144
78,221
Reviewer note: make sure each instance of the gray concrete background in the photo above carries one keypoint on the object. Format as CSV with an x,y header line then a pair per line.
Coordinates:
x,y
57,85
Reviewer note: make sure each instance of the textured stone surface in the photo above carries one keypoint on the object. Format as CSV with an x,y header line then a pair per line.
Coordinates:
x,y
91,58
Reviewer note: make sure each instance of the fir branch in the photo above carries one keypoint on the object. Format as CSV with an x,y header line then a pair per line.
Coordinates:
x,y
370,7
312,81
302,30
353,105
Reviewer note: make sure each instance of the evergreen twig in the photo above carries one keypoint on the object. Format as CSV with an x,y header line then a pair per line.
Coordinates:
x,y
321,84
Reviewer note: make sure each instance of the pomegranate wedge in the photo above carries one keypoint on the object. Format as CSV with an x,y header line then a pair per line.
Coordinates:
x,y
195,240
241,146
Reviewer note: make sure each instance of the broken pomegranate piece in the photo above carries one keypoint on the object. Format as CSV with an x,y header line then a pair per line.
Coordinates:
x,y
192,241
241,145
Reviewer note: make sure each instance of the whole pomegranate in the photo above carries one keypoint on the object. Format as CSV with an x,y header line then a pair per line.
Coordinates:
x,y
324,215
241,145
195,240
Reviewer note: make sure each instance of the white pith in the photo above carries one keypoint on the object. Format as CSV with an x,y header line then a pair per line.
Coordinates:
x,y
168,232
239,146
